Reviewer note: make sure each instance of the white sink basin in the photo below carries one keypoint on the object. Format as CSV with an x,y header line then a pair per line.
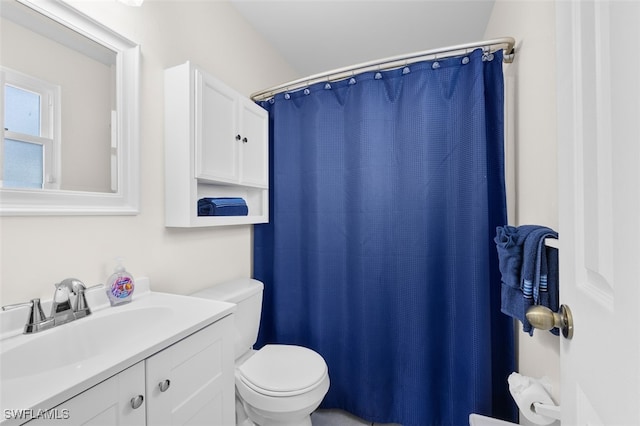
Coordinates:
x,y
78,341
44,369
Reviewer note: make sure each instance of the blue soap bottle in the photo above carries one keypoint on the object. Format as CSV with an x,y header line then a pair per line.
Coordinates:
x,y
120,285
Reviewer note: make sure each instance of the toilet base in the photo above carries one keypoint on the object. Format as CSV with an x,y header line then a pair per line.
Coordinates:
x,y
300,418
241,415
246,415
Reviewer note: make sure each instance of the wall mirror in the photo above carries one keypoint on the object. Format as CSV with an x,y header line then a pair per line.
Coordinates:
x,y
70,113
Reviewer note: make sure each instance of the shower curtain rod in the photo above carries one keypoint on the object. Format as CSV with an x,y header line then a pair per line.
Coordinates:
x,y
506,43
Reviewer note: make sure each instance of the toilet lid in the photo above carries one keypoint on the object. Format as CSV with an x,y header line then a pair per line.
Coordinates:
x,y
283,369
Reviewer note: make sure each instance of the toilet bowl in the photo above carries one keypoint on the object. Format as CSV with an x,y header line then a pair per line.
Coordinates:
x,y
282,384
277,384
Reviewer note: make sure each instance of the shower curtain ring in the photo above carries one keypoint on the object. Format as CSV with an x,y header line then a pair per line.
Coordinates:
x,y
378,74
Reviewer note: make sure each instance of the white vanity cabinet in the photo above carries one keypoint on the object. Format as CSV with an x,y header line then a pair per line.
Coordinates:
x,y
216,145
110,402
189,382
192,382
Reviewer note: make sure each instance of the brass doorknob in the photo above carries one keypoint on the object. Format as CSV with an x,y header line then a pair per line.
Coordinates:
x,y
544,318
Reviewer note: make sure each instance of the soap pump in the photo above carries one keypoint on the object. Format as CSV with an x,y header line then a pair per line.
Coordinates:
x,y
120,285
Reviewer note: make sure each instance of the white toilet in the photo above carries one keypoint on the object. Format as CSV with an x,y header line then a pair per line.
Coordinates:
x,y
278,384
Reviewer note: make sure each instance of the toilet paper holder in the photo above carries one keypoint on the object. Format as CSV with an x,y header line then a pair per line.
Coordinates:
x,y
548,410
532,396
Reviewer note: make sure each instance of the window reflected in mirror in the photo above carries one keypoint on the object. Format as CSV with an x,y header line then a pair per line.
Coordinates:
x,y
62,85
30,150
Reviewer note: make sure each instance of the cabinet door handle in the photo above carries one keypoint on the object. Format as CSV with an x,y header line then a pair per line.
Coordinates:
x,y
136,401
238,137
245,140
164,385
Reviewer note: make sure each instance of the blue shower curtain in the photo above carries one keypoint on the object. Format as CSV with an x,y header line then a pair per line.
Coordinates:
x,y
386,190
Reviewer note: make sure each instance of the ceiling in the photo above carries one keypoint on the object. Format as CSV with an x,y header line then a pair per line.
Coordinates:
x,y
320,35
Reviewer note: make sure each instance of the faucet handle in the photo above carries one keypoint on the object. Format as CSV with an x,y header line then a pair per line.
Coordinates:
x,y
37,319
17,305
82,307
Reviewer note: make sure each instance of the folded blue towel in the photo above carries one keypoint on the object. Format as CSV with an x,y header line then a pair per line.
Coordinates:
x,y
222,206
529,270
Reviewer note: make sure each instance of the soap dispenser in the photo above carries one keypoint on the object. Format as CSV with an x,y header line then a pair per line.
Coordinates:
x,y
120,285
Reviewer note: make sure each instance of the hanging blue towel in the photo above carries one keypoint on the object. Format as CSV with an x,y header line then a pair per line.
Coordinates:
x,y
549,295
529,270
222,207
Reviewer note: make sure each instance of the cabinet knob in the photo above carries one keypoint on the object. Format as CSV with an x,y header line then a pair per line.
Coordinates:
x,y
245,140
136,401
238,137
164,385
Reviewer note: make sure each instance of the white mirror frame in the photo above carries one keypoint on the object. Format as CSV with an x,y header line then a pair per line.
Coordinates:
x,y
26,202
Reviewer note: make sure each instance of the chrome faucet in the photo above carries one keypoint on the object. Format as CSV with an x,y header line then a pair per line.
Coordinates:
x,y
62,311
62,308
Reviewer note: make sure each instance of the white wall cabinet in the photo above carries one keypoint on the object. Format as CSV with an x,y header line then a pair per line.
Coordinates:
x,y
216,145
231,135
190,382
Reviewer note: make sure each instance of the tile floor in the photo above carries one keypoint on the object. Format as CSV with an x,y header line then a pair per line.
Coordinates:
x,y
341,418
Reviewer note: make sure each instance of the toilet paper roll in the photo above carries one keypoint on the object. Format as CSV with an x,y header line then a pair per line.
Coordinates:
x,y
525,392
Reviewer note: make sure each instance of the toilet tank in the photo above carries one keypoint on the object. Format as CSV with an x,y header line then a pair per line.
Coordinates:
x,y
246,293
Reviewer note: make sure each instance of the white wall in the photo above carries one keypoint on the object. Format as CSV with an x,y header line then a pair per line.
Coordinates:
x,y
36,252
533,72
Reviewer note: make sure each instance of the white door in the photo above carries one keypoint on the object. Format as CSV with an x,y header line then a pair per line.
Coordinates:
x,y
599,157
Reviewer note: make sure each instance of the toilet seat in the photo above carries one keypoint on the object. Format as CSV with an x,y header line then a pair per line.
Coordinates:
x,y
283,370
